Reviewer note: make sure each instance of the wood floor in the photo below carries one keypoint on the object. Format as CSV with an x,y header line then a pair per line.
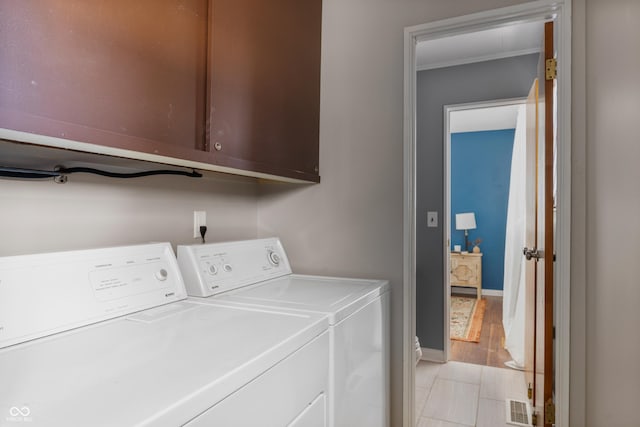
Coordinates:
x,y
489,351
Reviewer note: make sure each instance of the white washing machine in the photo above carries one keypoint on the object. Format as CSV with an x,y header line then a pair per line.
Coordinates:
x,y
106,337
256,273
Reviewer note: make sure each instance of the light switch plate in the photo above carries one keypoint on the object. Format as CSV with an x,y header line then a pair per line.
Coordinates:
x,y
432,219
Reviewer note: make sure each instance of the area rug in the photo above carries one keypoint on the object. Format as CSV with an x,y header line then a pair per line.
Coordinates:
x,y
466,318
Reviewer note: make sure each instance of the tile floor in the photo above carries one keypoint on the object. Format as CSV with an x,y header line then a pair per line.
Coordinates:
x,y
457,394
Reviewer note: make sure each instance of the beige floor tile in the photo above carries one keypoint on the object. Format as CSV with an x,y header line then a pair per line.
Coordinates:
x,y
430,422
462,372
491,413
500,384
420,399
452,401
426,373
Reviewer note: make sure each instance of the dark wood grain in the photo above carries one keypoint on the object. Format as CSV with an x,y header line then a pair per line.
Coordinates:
x,y
490,350
264,74
108,72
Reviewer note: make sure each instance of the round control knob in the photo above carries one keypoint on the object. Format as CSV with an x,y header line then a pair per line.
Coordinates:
x,y
228,268
213,270
162,274
274,258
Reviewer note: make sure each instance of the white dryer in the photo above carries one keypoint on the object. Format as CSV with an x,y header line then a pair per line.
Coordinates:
x,y
106,337
257,273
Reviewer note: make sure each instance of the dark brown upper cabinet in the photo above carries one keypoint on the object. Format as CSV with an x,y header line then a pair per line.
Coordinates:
x,y
264,75
211,84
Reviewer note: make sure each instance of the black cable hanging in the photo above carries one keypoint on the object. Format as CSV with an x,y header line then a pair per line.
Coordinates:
x,y
26,173
67,171
8,172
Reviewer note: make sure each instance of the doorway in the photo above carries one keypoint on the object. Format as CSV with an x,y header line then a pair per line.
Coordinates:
x,y
484,175
414,215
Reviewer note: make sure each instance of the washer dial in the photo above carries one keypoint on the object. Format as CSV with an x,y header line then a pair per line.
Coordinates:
x,y
274,258
162,275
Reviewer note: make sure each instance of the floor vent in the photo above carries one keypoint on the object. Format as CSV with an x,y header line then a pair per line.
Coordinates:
x,y
518,413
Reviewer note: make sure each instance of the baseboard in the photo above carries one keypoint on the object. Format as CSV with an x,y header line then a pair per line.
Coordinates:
x,y
472,291
432,355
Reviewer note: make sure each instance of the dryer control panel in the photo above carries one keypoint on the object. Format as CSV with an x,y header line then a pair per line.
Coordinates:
x,y
215,268
48,293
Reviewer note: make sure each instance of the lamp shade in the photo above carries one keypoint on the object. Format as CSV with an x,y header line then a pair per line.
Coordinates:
x,y
465,221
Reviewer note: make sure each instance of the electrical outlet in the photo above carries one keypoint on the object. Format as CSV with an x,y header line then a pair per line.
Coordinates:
x,y
199,219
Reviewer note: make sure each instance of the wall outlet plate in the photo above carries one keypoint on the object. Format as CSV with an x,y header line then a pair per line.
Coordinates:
x,y
199,219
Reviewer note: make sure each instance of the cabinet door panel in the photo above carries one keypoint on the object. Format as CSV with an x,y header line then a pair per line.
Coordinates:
x,y
128,74
265,85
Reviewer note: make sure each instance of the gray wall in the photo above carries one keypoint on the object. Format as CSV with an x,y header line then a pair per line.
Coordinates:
x,y
351,224
91,211
483,81
612,373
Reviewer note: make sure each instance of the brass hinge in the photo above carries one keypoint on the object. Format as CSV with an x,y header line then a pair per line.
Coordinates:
x,y
549,412
534,419
551,69
530,391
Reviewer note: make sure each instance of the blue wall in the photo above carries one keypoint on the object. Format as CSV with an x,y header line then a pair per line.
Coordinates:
x,y
480,174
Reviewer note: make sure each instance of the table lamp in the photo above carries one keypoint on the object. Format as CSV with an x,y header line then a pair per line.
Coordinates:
x,y
466,221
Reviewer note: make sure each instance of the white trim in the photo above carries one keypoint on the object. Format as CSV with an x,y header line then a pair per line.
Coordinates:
x,y
409,228
472,291
562,279
536,10
433,355
474,59
68,144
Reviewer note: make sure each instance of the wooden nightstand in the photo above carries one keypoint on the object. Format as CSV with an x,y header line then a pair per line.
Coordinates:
x,y
466,270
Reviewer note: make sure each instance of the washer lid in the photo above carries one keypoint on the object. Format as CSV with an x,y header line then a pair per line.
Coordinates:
x,y
335,296
159,367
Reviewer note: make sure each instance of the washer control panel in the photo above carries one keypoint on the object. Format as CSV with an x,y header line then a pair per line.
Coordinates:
x,y
214,268
48,293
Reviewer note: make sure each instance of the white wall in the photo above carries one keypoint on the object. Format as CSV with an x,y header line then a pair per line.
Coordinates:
x,y
91,211
351,224
613,209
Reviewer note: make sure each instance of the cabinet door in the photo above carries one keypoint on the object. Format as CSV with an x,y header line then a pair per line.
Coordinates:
x,y
264,93
464,271
119,73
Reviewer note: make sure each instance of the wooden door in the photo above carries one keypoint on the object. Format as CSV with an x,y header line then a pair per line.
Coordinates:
x,y
540,236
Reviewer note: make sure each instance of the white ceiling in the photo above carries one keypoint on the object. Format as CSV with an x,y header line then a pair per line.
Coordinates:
x,y
496,43
487,118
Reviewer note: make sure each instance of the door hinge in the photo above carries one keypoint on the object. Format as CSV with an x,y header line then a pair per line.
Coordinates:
x,y
549,412
534,419
530,391
551,69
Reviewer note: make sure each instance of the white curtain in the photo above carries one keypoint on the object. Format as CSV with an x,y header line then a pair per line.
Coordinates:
x,y
513,304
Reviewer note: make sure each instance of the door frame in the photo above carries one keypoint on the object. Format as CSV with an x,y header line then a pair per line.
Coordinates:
x,y
446,212
560,12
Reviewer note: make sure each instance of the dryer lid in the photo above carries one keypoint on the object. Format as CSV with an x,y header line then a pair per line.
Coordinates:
x,y
335,296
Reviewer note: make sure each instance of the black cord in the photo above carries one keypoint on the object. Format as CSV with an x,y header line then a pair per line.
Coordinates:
x,y
203,231
26,173
192,174
8,172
